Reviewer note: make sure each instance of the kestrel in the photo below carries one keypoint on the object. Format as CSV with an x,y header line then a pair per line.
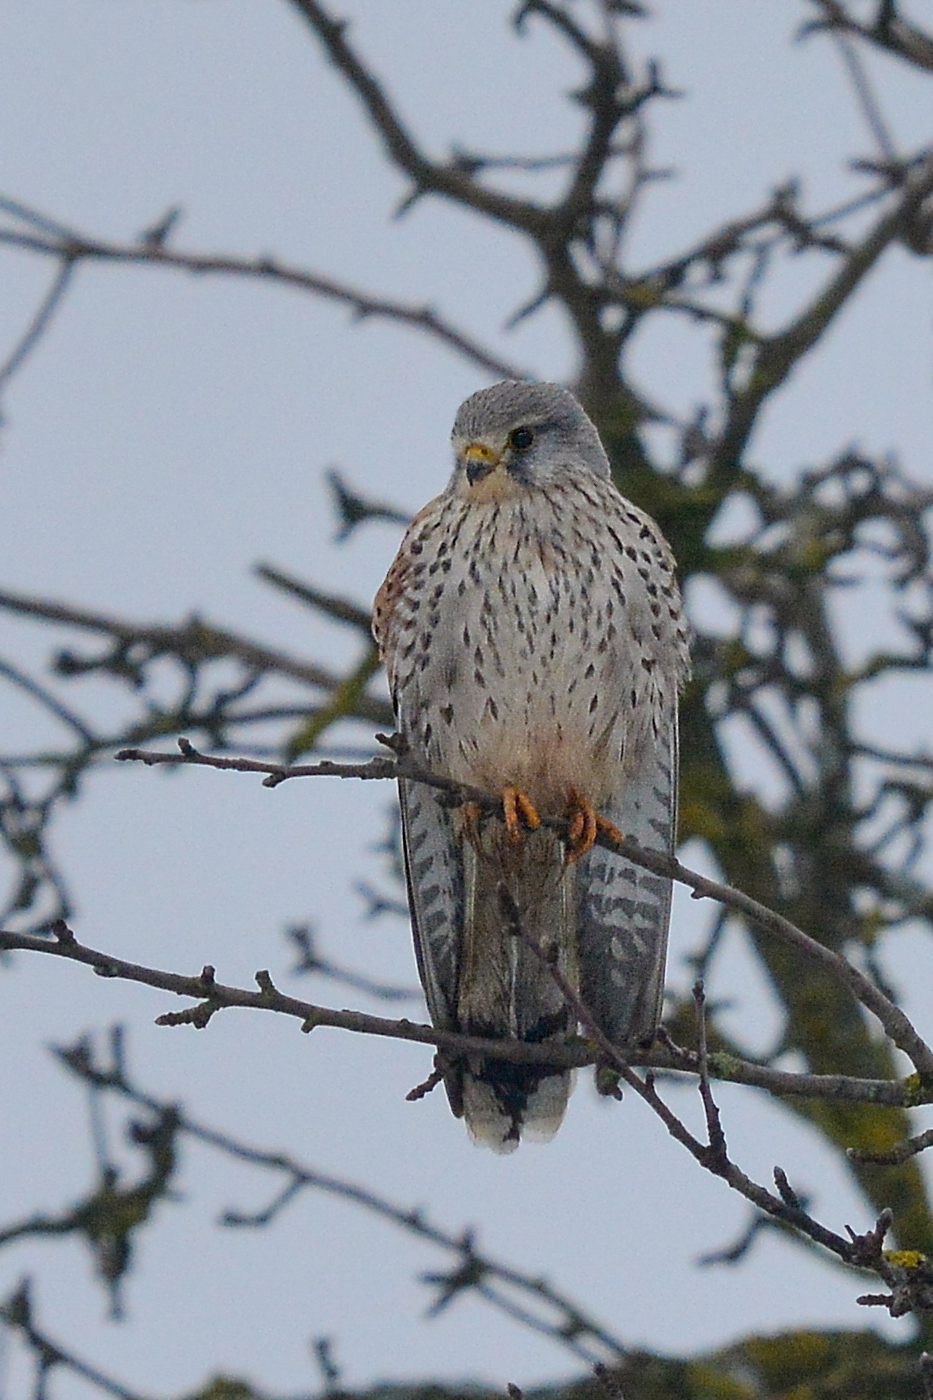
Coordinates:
x,y
532,631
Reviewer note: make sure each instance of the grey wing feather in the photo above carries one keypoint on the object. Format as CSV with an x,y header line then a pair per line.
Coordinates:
x,y
625,910
434,871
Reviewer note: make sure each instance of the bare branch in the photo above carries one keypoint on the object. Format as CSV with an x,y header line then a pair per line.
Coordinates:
x,y
867,100
327,603
401,148
195,637
39,323
16,1312
545,1309
353,509
780,353
892,1018
890,31
861,1250
896,1155
210,996
72,248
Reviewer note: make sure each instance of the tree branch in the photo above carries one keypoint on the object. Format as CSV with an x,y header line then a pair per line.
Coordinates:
x,y
890,31
908,1283
72,248
39,323
212,996
777,355
892,1018
492,1279
401,148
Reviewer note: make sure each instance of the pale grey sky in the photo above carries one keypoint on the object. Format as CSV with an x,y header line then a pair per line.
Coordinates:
x,y
170,432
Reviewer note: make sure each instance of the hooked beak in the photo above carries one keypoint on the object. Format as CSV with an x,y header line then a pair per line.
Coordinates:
x,y
480,460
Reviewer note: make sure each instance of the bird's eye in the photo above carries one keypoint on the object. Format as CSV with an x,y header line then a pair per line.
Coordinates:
x,y
521,439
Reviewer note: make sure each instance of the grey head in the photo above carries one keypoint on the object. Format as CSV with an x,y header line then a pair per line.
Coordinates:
x,y
527,433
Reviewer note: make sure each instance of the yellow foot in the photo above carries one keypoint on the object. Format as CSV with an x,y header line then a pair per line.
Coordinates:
x,y
584,824
518,808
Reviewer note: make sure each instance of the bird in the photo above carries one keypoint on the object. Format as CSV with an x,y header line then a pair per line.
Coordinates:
x,y
535,645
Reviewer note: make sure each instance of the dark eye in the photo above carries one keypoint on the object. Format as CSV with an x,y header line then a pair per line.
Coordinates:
x,y
521,439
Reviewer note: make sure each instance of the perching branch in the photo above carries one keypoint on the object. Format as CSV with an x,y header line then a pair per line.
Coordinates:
x,y
895,1022
212,996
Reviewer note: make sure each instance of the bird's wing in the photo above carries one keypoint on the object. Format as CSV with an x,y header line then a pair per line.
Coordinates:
x,y
434,872
624,909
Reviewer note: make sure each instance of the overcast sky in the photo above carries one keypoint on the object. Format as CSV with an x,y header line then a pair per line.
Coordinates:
x,y
169,433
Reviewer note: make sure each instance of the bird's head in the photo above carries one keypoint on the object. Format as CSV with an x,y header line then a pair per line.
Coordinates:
x,y
516,435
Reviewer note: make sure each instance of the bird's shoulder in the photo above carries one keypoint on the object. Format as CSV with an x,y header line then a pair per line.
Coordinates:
x,y
403,566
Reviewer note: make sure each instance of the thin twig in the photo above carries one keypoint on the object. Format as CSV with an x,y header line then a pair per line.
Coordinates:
x,y
862,1250
17,1314
39,323
894,1156
73,247
583,1335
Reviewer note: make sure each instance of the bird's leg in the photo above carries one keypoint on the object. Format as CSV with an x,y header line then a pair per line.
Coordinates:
x,y
472,814
583,825
518,808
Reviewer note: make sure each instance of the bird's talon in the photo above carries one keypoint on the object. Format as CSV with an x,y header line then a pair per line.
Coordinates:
x,y
582,827
519,809
609,829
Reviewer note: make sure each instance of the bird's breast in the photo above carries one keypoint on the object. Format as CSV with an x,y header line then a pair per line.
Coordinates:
x,y
527,651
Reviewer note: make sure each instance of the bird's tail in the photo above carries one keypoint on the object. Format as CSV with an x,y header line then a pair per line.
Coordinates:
x,y
503,1103
516,894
